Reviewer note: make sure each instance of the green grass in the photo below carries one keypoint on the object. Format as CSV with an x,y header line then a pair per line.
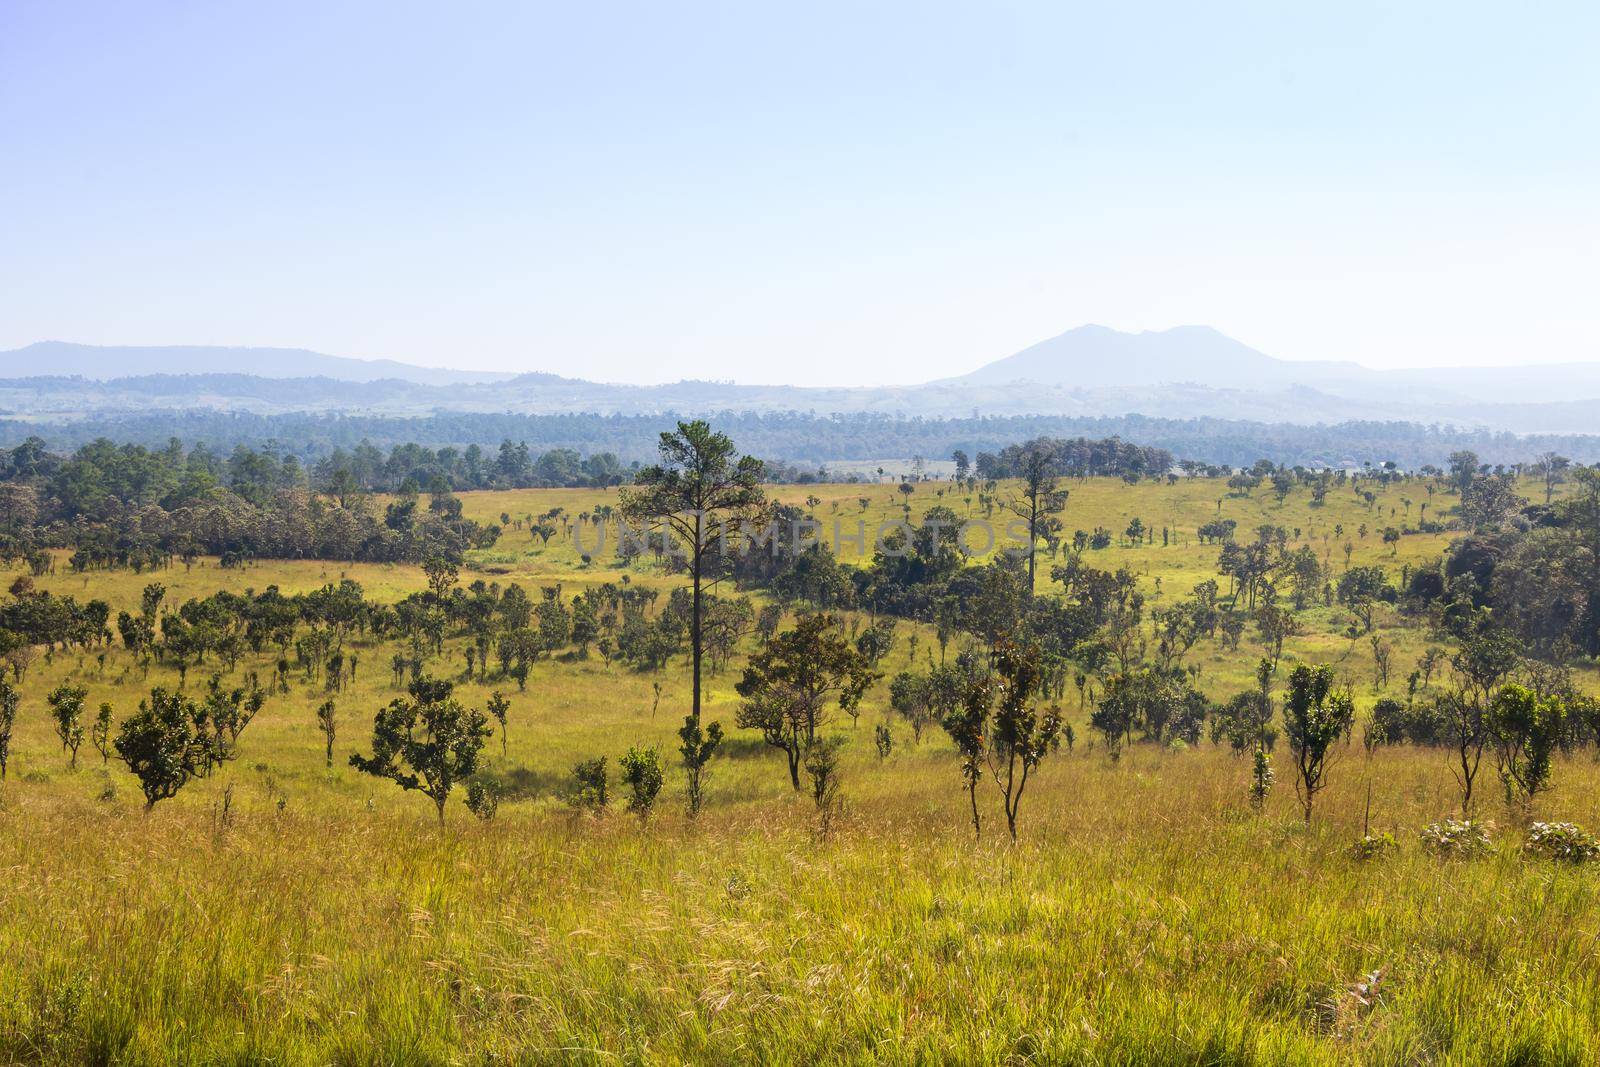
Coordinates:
x,y
1146,916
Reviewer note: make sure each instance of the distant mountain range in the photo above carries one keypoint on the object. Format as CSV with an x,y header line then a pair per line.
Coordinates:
x,y
1090,371
107,362
1096,357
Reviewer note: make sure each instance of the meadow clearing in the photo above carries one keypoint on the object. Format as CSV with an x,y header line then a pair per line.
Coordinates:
x,y
281,911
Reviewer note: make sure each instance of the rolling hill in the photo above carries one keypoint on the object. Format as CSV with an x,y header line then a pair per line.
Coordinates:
x,y
109,362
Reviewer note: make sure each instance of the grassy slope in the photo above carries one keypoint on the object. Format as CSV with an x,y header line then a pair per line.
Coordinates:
x,y
1146,915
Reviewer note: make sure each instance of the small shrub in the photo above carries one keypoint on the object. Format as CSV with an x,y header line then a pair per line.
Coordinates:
x,y
1562,841
1373,847
822,766
1261,779
641,770
1461,838
483,799
591,790
883,741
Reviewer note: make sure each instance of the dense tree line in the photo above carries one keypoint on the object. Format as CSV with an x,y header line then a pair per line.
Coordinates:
x,y
808,439
128,506
1079,457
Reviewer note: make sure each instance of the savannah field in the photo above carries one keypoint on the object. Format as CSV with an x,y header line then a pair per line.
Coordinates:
x,y
282,912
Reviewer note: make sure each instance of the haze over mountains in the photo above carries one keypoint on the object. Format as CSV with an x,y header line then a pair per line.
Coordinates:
x,y
107,362
1099,357
1092,370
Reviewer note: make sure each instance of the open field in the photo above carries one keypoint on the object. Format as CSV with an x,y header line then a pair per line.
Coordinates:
x,y
280,911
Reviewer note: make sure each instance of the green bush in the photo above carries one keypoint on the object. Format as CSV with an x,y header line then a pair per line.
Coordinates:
x,y
1564,841
591,785
1456,838
1374,846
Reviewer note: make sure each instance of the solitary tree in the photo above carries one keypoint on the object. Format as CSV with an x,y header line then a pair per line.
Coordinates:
x,y
66,707
1314,717
498,707
328,724
1037,498
165,744
789,684
1551,469
100,732
963,465
1464,727
1021,735
427,741
695,492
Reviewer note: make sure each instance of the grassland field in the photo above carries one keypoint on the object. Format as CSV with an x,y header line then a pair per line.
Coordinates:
x,y
282,912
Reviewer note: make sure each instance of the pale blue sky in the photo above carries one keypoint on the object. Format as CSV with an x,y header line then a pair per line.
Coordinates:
x,y
815,193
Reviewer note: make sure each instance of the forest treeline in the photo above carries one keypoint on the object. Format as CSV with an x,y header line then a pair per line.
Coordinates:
x,y
808,439
125,505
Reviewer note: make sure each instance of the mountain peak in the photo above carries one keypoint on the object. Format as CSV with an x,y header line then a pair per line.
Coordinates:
x,y
1095,357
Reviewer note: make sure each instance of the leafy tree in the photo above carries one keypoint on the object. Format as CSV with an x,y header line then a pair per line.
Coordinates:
x,y
327,722
1359,589
441,573
1038,497
1159,702
1463,726
226,713
427,741
1021,736
1315,715
876,641
100,732
1526,728
1486,657
788,685
1551,469
1261,774
911,696
498,707
66,707
165,744
697,489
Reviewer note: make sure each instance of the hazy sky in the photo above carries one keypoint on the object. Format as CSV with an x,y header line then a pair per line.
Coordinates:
x,y
805,192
